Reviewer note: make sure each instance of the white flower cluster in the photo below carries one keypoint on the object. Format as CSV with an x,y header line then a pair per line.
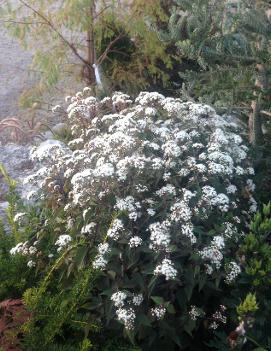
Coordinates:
x,y
31,264
160,236
211,198
116,229
218,318
63,241
24,249
195,312
175,174
20,248
20,218
158,312
135,241
119,298
101,259
167,269
137,299
125,313
213,253
130,205
180,212
127,317
232,271
88,228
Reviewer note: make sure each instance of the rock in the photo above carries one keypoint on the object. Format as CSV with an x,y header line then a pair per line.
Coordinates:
x,y
48,135
60,128
16,161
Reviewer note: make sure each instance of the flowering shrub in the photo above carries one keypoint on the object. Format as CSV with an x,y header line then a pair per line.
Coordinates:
x,y
158,192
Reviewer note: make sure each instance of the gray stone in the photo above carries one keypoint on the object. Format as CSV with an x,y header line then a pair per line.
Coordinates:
x,y
15,159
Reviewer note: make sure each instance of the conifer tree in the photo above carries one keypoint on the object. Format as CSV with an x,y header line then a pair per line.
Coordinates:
x,y
230,43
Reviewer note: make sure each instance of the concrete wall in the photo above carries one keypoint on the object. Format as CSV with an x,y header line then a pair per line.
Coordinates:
x,y
14,73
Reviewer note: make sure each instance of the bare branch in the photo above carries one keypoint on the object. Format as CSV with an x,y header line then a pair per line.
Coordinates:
x,y
101,12
107,50
266,113
21,22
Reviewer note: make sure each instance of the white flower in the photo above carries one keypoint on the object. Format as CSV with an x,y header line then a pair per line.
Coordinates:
x,y
158,312
213,255
20,248
187,230
195,312
250,185
88,228
103,248
213,325
119,298
218,241
219,317
31,264
231,189
116,229
135,241
127,317
63,241
151,212
233,270
180,211
239,170
209,269
160,236
137,299
20,218
32,250
166,190
99,262
187,195
167,269
104,170
129,204
253,205
250,171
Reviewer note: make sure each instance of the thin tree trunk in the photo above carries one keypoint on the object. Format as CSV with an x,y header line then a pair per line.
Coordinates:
x,y
261,84
255,119
90,76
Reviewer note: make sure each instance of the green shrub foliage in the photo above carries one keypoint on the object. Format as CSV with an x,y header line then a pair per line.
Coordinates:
x,y
14,275
253,285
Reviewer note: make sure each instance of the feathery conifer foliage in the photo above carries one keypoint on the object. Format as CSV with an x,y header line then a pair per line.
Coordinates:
x,y
229,41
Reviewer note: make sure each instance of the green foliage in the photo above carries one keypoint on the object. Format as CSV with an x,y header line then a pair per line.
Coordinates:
x,y
248,306
15,278
225,40
57,311
250,300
